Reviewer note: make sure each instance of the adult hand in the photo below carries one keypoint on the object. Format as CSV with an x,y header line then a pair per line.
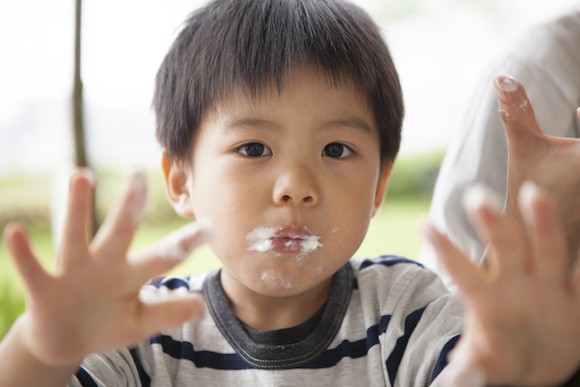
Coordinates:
x,y
91,302
522,324
551,162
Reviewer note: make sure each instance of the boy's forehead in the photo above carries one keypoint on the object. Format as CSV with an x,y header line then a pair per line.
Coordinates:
x,y
303,78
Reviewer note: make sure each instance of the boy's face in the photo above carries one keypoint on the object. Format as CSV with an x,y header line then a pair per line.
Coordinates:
x,y
289,180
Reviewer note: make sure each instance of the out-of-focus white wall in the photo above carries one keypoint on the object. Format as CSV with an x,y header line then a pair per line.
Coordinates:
x,y
440,46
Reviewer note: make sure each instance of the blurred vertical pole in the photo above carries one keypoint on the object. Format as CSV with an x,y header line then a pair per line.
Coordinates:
x,y
81,159
77,100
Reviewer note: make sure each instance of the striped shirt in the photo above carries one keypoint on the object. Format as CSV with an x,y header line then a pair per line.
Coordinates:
x,y
388,322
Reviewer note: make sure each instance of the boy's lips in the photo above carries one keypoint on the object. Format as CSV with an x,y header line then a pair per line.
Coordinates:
x,y
288,239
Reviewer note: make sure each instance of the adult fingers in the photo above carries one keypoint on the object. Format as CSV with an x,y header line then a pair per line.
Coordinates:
x,y
31,271
171,250
546,233
463,272
116,233
515,109
78,219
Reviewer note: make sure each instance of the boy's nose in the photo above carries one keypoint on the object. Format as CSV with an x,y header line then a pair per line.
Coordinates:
x,y
297,186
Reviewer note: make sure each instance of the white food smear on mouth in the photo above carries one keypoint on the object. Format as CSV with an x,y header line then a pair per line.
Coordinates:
x,y
260,239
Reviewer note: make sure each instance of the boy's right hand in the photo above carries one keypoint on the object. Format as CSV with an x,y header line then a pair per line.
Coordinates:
x,y
91,303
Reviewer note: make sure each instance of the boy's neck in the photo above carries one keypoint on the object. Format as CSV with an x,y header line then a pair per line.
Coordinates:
x,y
268,313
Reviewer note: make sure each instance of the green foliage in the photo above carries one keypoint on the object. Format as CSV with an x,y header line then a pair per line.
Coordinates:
x,y
413,177
12,306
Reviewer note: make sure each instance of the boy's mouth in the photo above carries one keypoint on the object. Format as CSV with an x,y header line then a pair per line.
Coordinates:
x,y
285,240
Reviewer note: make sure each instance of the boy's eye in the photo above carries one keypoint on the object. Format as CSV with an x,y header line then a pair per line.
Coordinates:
x,y
337,150
255,149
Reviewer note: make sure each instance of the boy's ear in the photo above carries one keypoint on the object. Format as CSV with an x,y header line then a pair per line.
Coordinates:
x,y
176,178
382,184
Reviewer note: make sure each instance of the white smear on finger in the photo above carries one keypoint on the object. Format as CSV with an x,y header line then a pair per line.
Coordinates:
x,y
179,244
478,196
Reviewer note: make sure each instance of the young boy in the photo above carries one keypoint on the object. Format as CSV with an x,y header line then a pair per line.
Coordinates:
x,y
280,121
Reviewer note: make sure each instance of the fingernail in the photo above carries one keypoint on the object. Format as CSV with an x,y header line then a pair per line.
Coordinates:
x,y
179,244
477,196
87,173
138,181
578,112
507,83
529,191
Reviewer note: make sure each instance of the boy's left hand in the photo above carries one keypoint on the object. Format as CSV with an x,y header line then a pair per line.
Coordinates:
x,y
522,323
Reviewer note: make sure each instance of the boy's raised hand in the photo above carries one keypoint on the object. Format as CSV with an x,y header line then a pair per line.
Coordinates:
x,y
91,303
522,322
551,162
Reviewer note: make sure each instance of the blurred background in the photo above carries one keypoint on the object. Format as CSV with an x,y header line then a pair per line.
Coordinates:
x,y
441,48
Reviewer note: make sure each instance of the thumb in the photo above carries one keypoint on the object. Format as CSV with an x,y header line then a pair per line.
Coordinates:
x,y
516,111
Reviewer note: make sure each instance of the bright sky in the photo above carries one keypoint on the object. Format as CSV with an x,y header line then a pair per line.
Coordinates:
x,y
441,48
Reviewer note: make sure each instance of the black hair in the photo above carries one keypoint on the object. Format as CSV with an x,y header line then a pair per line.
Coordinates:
x,y
253,44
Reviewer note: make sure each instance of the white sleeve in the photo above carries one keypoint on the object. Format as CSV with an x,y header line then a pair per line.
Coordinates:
x,y
547,62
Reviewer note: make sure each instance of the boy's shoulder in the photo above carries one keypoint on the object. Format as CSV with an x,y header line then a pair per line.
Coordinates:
x,y
389,260
395,283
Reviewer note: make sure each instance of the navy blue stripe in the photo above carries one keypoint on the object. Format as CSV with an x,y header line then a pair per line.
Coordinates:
x,y
145,379
232,361
171,283
351,349
387,260
84,378
394,359
201,359
443,356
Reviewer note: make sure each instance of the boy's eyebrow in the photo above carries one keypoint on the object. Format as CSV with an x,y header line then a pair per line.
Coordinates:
x,y
352,122
247,121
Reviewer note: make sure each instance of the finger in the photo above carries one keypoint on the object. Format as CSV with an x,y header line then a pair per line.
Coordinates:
x,y
155,316
116,233
171,250
546,233
464,273
515,108
34,276
78,219
507,252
